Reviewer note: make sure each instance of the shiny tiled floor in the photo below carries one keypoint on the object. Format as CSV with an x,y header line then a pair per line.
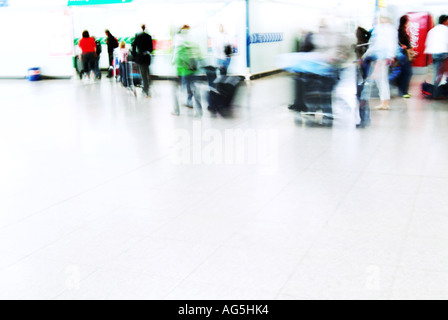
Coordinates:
x,y
94,207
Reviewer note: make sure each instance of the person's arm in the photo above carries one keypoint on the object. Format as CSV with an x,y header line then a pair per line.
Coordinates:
x,y
151,45
134,47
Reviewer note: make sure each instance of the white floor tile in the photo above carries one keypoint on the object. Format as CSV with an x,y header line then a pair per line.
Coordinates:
x,y
334,279
192,290
265,270
411,284
112,285
162,257
37,278
93,206
426,254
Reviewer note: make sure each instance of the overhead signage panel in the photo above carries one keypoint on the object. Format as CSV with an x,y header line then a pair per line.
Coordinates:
x,y
95,2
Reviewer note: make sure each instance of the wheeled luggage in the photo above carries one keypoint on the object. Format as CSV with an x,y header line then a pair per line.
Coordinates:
x,y
223,92
428,91
79,66
133,75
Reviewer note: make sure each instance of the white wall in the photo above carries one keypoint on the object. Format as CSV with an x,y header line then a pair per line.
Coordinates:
x,y
35,37
270,17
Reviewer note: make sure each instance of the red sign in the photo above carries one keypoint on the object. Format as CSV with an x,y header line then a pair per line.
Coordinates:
x,y
163,45
419,25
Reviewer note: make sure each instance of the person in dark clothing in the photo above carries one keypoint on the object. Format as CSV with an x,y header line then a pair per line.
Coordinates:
x,y
305,45
363,71
405,77
142,48
363,37
99,50
112,44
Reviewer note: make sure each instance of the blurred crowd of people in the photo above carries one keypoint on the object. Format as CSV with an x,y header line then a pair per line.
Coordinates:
x,y
384,57
132,66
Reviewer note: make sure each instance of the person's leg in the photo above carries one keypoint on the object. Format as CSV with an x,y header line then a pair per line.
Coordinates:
x,y
177,86
364,93
111,64
187,82
97,68
197,96
211,76
227,64
222,67
93,65
382,78
144,70
89,64
123,76
437,60
85,65
405,77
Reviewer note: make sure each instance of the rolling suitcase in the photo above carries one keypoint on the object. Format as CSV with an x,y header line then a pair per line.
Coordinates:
x,y
428,91
133,77
222,95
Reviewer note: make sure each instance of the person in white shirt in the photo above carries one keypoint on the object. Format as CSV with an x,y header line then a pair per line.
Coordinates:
x,y
222,50
437,45
383,49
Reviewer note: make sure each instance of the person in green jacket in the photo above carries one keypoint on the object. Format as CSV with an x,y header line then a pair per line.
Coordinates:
x,y
187,57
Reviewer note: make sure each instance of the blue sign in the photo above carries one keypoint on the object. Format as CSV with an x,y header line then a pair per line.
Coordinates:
x,y
266,38
4,3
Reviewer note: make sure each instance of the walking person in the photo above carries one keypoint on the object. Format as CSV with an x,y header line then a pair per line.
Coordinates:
x,y
222,50
437,45
123,59
142,48
186,57
88,48
112,44
406,58
382,52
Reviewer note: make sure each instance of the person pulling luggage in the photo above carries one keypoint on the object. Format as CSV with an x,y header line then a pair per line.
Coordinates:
x,y
187,57
142,48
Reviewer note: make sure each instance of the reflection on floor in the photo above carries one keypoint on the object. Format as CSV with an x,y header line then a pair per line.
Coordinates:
x,y
104,196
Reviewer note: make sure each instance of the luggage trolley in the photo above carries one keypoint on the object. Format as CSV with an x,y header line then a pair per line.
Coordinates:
x,y
131,77
314,93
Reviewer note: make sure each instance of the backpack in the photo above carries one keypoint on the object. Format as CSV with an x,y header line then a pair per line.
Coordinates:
x,y
228,50
114,42
99,47
188,58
